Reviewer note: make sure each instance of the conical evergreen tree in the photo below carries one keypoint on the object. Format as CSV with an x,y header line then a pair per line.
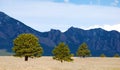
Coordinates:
x,y
62,53
116,55
83,50
102,55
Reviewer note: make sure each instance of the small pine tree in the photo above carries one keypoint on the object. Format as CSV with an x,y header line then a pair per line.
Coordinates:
x,y
116,55
102,55
83,50
27,45
62,53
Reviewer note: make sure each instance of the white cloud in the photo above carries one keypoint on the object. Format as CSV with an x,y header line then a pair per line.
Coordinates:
x,y
115,3
43,16
106,27
66,1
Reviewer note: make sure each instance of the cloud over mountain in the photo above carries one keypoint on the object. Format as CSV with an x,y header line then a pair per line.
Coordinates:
x,y
106,27
44,15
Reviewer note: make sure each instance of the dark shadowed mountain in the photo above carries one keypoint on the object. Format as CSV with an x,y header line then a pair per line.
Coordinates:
x,y
98,40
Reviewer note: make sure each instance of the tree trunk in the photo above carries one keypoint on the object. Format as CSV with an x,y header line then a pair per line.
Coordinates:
x,y
26,58
61,61
83,56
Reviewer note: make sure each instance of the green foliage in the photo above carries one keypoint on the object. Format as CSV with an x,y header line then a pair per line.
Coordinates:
x,y
27,45
116,55
83,50
102,55
62,53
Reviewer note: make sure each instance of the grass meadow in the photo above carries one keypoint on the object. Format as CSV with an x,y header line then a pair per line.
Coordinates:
x,y
47,63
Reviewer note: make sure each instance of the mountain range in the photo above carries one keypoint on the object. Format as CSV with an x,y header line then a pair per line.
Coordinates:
x,y
99,40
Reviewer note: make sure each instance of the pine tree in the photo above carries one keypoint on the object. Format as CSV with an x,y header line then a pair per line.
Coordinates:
x,y
27,45
83,50
102,55
62,53
116,55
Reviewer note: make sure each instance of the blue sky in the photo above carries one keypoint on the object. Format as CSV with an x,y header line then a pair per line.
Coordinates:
x,y
44,15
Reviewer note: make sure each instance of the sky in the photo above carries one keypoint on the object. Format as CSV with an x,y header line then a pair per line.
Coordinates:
x,y
44,15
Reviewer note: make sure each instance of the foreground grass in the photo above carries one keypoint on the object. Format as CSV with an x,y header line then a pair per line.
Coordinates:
x,y
47,63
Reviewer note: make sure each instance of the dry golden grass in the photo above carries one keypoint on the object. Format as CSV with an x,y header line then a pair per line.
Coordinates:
x,y
47,63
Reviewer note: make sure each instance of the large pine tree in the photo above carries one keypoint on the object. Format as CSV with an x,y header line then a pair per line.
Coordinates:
x,y
27,45
62,53
83,50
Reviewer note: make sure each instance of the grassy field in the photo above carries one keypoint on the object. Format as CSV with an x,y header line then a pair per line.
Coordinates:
x,y
47,63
